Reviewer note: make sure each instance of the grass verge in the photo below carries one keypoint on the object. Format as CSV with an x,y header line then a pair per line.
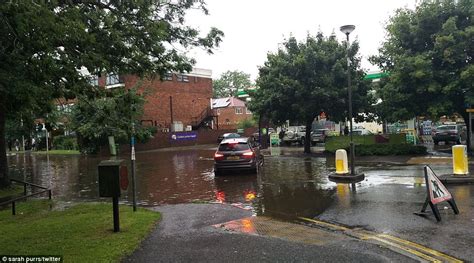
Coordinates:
x,y
81,233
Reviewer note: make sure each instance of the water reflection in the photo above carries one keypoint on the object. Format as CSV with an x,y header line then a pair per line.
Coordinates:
x,y
294,187
294,200
162,177
287,186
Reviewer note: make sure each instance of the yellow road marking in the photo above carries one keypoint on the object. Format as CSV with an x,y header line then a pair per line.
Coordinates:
x,y
407,249
336,227
402,244
422,248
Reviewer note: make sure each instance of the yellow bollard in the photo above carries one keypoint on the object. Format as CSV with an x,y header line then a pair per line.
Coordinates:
x,y
341,162
460,162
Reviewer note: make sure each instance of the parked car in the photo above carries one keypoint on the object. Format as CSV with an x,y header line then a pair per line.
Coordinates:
x,y
359,130
319,135
237,154
227,136
294,134
449,133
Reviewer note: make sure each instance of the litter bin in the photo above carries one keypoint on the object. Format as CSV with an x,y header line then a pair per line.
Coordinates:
x,y
109,178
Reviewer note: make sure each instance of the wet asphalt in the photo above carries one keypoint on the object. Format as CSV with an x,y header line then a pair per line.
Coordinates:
x,y
187,234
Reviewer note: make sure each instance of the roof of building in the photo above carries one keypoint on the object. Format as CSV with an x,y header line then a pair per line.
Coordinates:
x,y
227,102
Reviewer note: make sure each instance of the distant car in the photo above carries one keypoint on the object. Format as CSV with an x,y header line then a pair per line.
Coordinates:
x,y
294,134
237,154
319,135
449,133
359,130
227,136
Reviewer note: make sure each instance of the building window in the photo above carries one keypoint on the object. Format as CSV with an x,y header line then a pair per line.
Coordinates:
x,y
227,121
112,79
182,78
65,108
94,80
218,111
247,111
238,110
168,76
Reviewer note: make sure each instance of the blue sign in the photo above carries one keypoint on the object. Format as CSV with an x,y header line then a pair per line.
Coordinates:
x,y
184,136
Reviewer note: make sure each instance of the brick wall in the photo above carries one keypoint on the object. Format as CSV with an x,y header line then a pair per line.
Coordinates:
x,y
229,119
163,140
189,99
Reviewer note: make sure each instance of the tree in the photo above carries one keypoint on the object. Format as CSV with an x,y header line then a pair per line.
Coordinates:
x,y
229,83
303,79
428,53
46,45
109,113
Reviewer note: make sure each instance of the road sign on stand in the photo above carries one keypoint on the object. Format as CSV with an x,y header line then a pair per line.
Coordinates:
x,y
437,193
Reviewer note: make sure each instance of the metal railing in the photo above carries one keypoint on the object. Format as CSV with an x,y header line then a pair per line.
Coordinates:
x,y
205,114
25,195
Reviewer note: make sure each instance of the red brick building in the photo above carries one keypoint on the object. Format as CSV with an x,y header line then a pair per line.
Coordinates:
x,y
230,112
183,99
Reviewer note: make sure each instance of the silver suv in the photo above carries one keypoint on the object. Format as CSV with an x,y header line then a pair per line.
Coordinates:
x,y
294,134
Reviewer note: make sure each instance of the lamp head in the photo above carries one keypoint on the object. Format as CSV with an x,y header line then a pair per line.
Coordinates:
x,y
347,29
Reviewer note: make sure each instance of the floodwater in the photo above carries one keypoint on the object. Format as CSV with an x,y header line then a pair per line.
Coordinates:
x,y
287,186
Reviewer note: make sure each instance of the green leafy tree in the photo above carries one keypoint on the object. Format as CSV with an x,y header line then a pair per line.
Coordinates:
x,y
302,79
246,123
229,83
429,53
109,113
44,46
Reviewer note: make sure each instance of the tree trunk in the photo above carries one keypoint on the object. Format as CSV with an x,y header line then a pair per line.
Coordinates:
x,y
4,180
307,137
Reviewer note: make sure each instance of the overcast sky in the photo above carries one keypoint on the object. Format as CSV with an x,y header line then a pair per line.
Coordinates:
x,y
253,28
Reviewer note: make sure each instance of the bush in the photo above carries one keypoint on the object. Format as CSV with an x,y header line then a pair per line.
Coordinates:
x,y
65,143
389,149
366,145
334,143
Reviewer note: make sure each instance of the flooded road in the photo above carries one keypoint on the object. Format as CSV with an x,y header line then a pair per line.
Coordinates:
x,y
287,186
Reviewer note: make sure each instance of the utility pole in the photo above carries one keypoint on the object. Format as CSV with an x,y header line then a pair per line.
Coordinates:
x,y
22,135
134,194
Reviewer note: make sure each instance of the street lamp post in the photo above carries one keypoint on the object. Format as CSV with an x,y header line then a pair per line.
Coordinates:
x,y
46,132
347,29
22,135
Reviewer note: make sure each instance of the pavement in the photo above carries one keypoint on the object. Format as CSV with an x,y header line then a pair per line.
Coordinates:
x,y
210,233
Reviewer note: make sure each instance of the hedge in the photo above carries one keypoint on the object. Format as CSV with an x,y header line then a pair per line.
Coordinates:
x,y
395,144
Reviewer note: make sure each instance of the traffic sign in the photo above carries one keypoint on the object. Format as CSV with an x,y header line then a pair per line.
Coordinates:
x,y
437,193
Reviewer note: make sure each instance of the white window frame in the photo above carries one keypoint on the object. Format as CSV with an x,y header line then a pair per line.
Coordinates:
x,y
238,110
168,76
182,78
112,79
94,80
247,111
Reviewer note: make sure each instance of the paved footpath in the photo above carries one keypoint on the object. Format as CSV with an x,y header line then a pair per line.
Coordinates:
x,y
204,233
